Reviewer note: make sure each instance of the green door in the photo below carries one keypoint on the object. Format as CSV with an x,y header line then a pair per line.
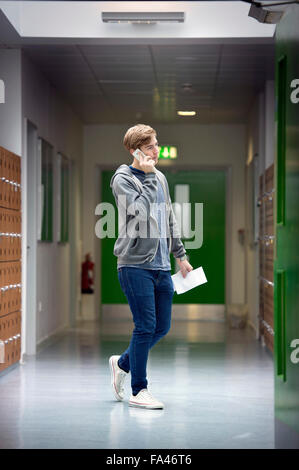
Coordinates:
x,y
208,188
286,280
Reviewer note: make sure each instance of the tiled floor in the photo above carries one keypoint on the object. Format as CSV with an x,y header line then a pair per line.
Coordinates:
x,y
217,385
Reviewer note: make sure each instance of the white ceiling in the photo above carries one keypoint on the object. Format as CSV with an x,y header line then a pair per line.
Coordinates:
x,y
82,19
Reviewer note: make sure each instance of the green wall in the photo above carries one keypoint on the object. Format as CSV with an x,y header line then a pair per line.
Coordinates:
x,y
286,289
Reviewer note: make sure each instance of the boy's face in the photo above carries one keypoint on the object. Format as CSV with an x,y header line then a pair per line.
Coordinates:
x,y
151,149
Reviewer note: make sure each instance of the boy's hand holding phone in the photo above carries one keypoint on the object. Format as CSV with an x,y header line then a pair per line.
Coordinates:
x,y
146,163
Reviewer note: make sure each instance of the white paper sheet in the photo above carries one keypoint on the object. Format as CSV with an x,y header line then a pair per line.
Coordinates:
x,y
194,278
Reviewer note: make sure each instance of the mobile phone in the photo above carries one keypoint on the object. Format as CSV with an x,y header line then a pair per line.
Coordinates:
x,y
137,153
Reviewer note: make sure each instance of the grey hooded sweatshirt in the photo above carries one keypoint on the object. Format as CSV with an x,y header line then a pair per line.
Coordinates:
x,y
134,200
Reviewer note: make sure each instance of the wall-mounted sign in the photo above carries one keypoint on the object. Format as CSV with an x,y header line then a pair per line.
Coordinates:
x,y
168,151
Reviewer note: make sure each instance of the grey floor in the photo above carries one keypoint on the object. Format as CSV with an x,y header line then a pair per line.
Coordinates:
x,y
217,385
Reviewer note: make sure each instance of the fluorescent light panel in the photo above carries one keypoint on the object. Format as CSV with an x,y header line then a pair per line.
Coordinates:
x,y
143,17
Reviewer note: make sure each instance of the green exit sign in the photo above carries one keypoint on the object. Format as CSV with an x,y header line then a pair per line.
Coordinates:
x,y
168,151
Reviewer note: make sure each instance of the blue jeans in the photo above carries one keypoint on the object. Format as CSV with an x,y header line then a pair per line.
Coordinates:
x,y
149,294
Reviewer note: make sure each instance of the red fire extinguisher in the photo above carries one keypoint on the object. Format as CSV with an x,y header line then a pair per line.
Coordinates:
x,y
87,276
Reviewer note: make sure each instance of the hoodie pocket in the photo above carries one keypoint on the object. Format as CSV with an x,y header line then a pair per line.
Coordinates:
x,y
134,249
141,247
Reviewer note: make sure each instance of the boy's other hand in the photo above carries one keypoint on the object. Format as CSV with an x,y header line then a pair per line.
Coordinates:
x,y
185,267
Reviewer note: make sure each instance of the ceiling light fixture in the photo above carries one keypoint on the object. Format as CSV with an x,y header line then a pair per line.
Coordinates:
x,y
143,17
186,113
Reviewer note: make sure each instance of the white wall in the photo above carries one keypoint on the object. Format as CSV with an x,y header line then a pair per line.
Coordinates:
x,y
12,11
10,111
251,250
56,123
206,145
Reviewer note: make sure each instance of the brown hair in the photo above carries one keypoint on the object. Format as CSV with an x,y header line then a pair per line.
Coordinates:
x,y
138,135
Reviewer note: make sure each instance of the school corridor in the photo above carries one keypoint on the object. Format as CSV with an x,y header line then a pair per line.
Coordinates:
x,y
219,83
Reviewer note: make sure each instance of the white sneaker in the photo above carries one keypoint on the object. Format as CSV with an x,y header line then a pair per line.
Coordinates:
x,y
117,378
144,399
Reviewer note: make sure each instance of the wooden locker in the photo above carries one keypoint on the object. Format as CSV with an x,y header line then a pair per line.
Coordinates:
x,y
10,257
266,240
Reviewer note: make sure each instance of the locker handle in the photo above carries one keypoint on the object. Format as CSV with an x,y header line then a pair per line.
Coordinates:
x,y
12,338
280,324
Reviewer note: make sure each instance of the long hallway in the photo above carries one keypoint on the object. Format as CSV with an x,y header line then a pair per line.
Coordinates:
x,y
216,383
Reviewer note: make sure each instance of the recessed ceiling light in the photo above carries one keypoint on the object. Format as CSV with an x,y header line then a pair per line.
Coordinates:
x,y
143,17
186,113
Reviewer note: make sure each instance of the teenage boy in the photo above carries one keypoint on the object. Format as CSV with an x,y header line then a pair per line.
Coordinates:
x,y
147,234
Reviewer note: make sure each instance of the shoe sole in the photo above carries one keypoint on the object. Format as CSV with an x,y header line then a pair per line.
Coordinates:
x,y
147,407
112,372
